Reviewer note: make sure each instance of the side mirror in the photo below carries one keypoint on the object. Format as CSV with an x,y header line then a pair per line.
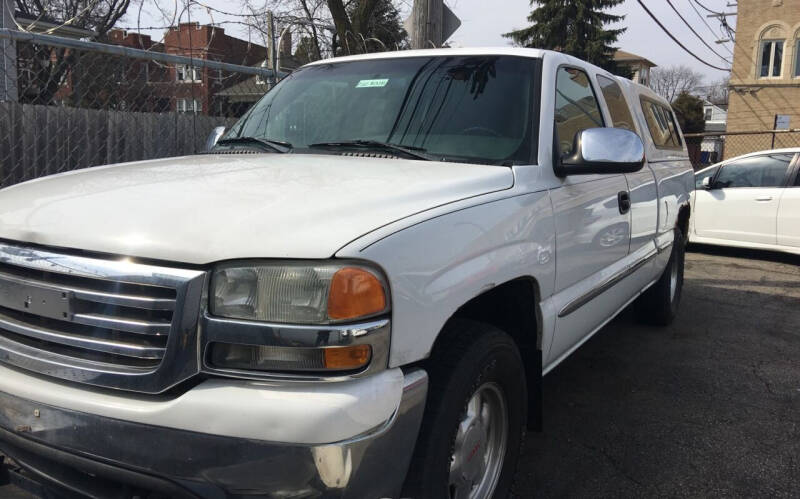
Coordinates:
x,y
706,183
214,136
603,150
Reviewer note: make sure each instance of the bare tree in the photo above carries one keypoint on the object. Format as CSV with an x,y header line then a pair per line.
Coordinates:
x,y
324,28
717,92
49,67
96,15
671,81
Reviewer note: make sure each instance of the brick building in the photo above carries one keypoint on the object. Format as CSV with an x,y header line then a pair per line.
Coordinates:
x,y
180,87
765,81
197,87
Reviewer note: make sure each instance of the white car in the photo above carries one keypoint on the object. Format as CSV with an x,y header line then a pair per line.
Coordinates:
x,y
751,201
356,294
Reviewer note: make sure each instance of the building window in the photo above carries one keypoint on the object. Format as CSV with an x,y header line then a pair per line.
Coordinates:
x,y
771,59
797,60
644,76
189,106
708,112
186,73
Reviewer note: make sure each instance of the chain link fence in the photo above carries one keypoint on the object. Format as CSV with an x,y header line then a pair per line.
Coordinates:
x,y
67,104
709,148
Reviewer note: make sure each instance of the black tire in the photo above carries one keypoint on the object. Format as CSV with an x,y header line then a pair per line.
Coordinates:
x,y
658,305
472,355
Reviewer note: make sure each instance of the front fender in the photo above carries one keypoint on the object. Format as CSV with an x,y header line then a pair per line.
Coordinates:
x,y
437,265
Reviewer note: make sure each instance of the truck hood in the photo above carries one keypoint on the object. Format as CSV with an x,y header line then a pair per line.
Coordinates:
x,y
208,208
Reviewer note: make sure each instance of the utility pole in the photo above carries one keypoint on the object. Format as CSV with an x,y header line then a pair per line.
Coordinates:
x,y
430,24
272,54
8,55
426,19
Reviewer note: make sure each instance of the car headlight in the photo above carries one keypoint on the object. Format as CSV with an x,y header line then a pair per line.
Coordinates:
x,y
297,293
297,317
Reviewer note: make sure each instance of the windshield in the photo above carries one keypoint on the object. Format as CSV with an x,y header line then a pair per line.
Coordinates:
x,y
479,109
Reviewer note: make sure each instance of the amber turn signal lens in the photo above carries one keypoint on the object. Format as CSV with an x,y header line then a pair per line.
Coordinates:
x,y
355,293
347,358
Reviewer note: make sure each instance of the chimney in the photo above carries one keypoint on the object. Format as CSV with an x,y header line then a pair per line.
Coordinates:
x,y
286,45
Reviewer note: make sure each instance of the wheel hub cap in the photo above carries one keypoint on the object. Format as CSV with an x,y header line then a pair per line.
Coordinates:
x,y
480,445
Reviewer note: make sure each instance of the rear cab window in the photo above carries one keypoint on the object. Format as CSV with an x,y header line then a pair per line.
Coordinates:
x,y
661,124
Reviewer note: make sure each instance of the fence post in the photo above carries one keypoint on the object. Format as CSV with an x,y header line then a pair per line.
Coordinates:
x,y
8,55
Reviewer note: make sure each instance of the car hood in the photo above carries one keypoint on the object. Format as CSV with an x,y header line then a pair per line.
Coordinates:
x,y
208,208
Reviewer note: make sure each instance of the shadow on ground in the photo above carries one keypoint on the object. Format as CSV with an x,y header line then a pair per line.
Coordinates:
x,y
707,407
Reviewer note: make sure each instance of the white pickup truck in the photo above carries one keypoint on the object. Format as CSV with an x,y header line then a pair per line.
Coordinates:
x,y
355,293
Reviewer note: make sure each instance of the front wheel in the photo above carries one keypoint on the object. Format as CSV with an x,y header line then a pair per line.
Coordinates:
x,y
474,422
659,304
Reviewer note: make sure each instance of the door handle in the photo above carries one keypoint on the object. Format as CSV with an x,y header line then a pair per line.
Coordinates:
x,y
764,198
624,199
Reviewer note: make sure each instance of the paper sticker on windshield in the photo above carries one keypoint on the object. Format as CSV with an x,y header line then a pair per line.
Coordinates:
x,y
372,83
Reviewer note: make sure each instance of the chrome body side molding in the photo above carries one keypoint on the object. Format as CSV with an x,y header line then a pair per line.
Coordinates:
x,y
582,300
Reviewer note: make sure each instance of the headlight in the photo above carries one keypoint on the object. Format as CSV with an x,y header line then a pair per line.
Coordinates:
x,y
297,292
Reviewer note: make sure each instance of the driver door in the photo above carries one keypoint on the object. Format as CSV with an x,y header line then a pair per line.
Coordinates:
x,y
593,232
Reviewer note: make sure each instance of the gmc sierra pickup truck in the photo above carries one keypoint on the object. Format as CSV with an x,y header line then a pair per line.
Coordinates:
x,y
355,293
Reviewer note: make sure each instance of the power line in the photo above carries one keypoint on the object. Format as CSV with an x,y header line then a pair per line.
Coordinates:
x,y
654,18
706,8
696,33
711,29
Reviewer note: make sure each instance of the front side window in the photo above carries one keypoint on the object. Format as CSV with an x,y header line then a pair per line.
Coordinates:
x,y
617,106
661,124
771,58
576,107
700,176
757,171
475,109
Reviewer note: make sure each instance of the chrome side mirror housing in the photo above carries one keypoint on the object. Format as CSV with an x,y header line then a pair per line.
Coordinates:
x,y
603,150
213,137
706,183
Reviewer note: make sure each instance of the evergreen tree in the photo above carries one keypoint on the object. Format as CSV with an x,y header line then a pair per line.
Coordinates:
x,y
366,26
575,27
385,25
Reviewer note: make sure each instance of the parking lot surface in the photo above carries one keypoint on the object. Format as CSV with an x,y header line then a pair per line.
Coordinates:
x,y
708,407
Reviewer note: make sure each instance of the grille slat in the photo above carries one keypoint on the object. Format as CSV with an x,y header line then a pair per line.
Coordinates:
x,y
86,342
102,321
125,300
122,324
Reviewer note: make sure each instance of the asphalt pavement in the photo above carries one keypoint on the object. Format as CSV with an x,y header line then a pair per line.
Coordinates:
x,y
708,407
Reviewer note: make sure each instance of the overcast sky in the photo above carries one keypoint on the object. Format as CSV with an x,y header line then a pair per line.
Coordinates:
x,y
484,25
484,22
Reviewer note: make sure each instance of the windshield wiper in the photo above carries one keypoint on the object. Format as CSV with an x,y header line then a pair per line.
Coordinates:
x,y
414,152
273,145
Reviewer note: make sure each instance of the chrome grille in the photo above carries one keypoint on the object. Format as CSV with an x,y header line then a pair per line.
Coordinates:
x,y
107,322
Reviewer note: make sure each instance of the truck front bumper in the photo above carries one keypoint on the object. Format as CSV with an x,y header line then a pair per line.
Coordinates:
x,y
101,456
